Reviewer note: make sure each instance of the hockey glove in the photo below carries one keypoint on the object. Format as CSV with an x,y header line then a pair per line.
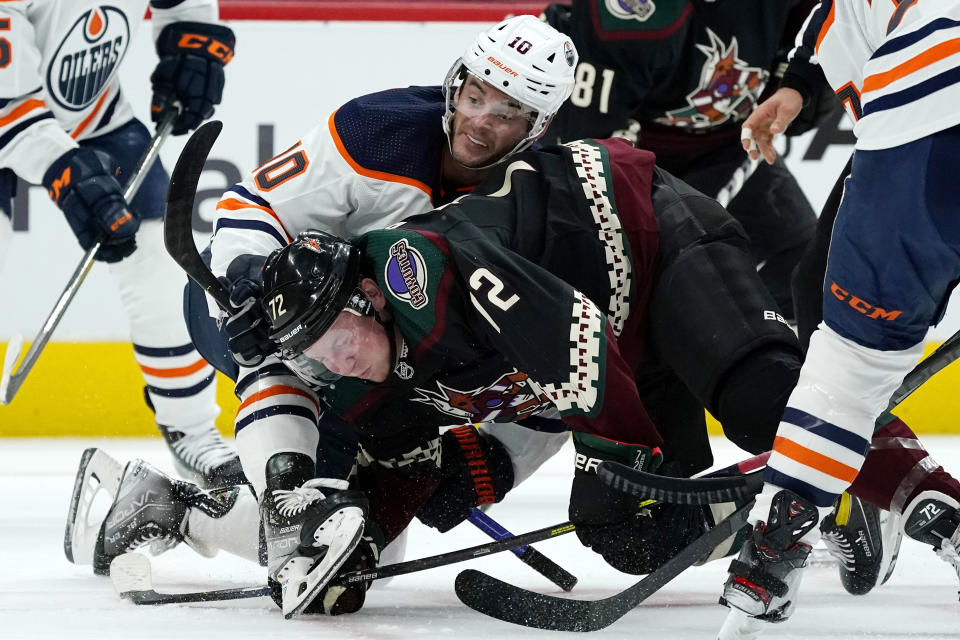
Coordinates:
x,y
475,469
246,328
190,71
605,515
81,182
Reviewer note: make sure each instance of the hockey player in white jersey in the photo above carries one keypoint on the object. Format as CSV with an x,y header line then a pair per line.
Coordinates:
x,y
65,124
894,259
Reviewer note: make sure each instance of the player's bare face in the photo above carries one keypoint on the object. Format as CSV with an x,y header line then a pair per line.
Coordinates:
x,y
487,124
355,347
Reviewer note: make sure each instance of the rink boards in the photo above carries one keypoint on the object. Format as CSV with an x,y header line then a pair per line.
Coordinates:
x,y
95,389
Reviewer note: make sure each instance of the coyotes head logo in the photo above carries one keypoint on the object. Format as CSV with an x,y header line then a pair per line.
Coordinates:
x,y
511,397
728,88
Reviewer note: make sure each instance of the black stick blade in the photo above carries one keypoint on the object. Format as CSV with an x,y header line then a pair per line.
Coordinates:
x,y
177,219
679,490
510,603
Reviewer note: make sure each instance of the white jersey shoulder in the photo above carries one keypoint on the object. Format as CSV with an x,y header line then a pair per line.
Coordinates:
x,y
59,83
893,66
313,185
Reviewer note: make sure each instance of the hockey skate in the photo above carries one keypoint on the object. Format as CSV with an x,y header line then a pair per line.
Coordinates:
x,y
865,541
201,455
148,507
764,579
934,518
311,531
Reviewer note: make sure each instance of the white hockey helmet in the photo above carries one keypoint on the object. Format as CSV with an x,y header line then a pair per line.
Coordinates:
x,y
526,59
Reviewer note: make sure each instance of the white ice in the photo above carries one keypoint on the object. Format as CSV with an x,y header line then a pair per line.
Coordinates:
x,y
42,595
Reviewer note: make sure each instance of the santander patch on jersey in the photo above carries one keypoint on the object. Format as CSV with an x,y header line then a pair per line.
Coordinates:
x,y
87,57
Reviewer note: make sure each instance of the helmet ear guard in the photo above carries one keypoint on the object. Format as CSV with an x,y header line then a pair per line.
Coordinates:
x,y
526,59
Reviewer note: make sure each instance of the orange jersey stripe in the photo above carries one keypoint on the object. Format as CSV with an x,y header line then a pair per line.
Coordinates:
x,y
89,118
232,204
928,57
814,460
177,372
277,390
26,106
826,26
376,175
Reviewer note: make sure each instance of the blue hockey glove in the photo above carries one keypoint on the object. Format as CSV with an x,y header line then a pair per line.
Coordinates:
x,y
190,71
246,328
81,182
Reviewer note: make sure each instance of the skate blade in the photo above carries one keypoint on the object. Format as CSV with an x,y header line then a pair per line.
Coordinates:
x,y
349,518
10,357
98,472
739,626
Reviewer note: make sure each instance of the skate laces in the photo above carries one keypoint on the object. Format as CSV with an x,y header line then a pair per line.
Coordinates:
x,y
292,502
840,546
156,536
203,451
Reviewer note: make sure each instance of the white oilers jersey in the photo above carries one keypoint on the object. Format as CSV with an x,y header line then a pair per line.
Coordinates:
x,y
894,63
58,72
375,161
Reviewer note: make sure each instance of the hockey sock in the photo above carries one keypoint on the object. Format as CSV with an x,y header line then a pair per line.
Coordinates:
x,y
237,532
898,468
179,382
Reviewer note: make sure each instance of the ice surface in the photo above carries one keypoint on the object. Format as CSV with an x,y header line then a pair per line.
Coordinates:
x,y
44,596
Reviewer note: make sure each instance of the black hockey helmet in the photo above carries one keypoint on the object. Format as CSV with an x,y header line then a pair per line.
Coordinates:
x,y
306,285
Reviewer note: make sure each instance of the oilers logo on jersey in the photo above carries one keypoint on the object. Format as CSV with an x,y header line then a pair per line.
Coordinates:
x,y
87,57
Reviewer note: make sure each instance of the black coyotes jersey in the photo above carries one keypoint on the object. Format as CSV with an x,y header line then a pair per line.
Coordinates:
x,y
524,297
679,67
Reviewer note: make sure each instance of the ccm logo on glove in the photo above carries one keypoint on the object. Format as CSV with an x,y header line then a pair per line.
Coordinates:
x,y
220,50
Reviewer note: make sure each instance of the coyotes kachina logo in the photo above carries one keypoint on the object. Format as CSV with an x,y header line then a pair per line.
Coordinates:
x,y
728,88
87,57
510,397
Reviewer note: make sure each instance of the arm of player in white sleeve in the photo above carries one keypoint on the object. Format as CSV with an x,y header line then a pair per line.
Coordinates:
x,y
312,185
528,449
164,12
30,138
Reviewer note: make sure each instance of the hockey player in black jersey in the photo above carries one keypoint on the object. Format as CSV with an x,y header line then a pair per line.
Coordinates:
x,y
679,77
573,282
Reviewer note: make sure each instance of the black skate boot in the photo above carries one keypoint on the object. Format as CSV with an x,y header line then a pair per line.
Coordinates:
x,y
312,526
764,579
148,507
934,518
865,541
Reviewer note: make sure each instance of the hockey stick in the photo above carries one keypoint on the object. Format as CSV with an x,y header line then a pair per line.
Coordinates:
x,y
530,556
740,175
178,217
132,577
10,380
710,490
509,603
740,481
